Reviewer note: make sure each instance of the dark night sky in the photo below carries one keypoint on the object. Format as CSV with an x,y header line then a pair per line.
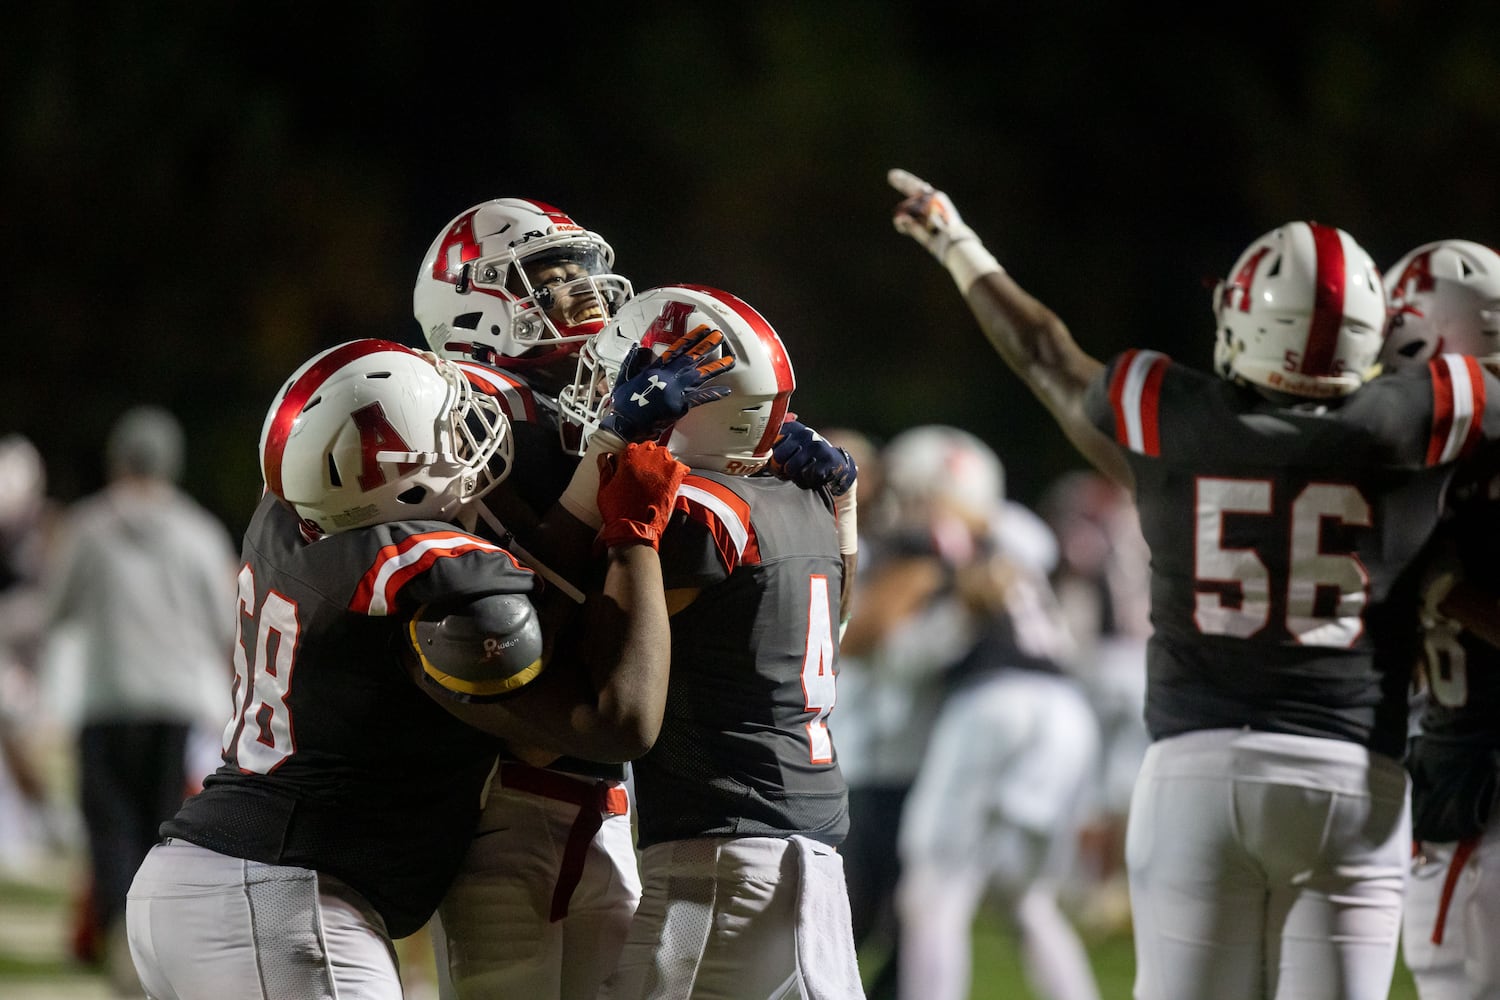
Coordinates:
x,y
197,197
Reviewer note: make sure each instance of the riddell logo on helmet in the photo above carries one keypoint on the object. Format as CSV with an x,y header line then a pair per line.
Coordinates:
x,y
1303,385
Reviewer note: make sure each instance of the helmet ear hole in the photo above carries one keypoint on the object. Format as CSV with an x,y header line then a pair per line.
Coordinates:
x,y
334,479
413,496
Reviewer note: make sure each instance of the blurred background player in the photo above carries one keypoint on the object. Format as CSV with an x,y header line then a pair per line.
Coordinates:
x,y
31,824
741,802
1286,503
1445,297
907,630
371,623
1102,580
996,805
144,578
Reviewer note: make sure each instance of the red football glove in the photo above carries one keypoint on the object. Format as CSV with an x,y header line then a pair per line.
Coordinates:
x,y
637,489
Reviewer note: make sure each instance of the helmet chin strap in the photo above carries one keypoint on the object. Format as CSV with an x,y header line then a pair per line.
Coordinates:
x,y
508,540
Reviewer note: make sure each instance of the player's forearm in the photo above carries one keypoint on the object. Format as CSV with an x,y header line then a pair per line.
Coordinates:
x,y
629,668
1038,347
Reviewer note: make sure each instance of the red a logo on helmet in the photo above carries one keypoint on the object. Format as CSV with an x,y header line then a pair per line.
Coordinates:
x,y
1415,277
1241,282
670,324
376,435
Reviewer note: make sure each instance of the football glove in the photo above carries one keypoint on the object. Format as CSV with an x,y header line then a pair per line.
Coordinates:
x,y
928,216
637,490
805,457
647,401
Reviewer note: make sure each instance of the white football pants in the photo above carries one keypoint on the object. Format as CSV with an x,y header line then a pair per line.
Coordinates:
x,y
742,918
996,807
206,926
1266,865
1465,964
495,934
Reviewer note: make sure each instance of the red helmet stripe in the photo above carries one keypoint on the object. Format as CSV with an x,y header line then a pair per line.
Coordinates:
x,y
1328,302
300,391
786,379
557,215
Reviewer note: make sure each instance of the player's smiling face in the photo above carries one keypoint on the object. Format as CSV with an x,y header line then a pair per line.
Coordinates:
x,y
574,301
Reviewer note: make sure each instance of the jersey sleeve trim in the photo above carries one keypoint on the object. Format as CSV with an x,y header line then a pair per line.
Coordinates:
x,y
515,396
399,562
725,514
1458,401
1135,395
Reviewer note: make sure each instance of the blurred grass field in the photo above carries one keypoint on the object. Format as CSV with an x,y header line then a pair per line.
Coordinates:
x,y
998,976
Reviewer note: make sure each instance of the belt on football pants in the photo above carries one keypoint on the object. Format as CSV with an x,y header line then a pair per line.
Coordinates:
x,y
1462,851
594,799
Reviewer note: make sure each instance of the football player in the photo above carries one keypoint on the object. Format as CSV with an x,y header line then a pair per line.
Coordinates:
x,y
741,801
1286,501
1445,297
371,621
512,290
994,808
1102,581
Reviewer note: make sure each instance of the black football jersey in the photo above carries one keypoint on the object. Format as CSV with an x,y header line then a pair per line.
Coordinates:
x,y
1462,670
1283,539
542,467
746,748
335,760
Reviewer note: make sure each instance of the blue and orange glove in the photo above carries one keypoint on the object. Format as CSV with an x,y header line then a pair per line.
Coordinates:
x,y
645,403
805,457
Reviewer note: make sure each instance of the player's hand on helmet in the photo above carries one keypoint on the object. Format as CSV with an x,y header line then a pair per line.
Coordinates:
x,y
805,457
637,490
647,401
927,215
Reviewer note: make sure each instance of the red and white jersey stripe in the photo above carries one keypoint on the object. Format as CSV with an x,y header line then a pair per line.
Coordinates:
x,y
726,515
395,564
1458,400
1135,394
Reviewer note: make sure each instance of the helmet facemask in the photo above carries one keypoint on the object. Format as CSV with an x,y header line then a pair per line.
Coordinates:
x,y
488,283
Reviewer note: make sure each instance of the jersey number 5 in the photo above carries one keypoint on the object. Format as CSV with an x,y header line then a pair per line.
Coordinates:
x,y
1340,577
260,731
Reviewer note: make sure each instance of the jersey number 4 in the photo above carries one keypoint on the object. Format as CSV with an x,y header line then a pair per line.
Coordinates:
x,y
259,733
818,690
1339,578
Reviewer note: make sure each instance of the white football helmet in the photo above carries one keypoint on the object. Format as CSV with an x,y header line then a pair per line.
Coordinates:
x,y
1302,312
372,431
512,282
733,434
1443,297
936,466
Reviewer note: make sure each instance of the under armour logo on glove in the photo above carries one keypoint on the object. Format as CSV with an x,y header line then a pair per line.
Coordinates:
x,y
652,382
645,404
